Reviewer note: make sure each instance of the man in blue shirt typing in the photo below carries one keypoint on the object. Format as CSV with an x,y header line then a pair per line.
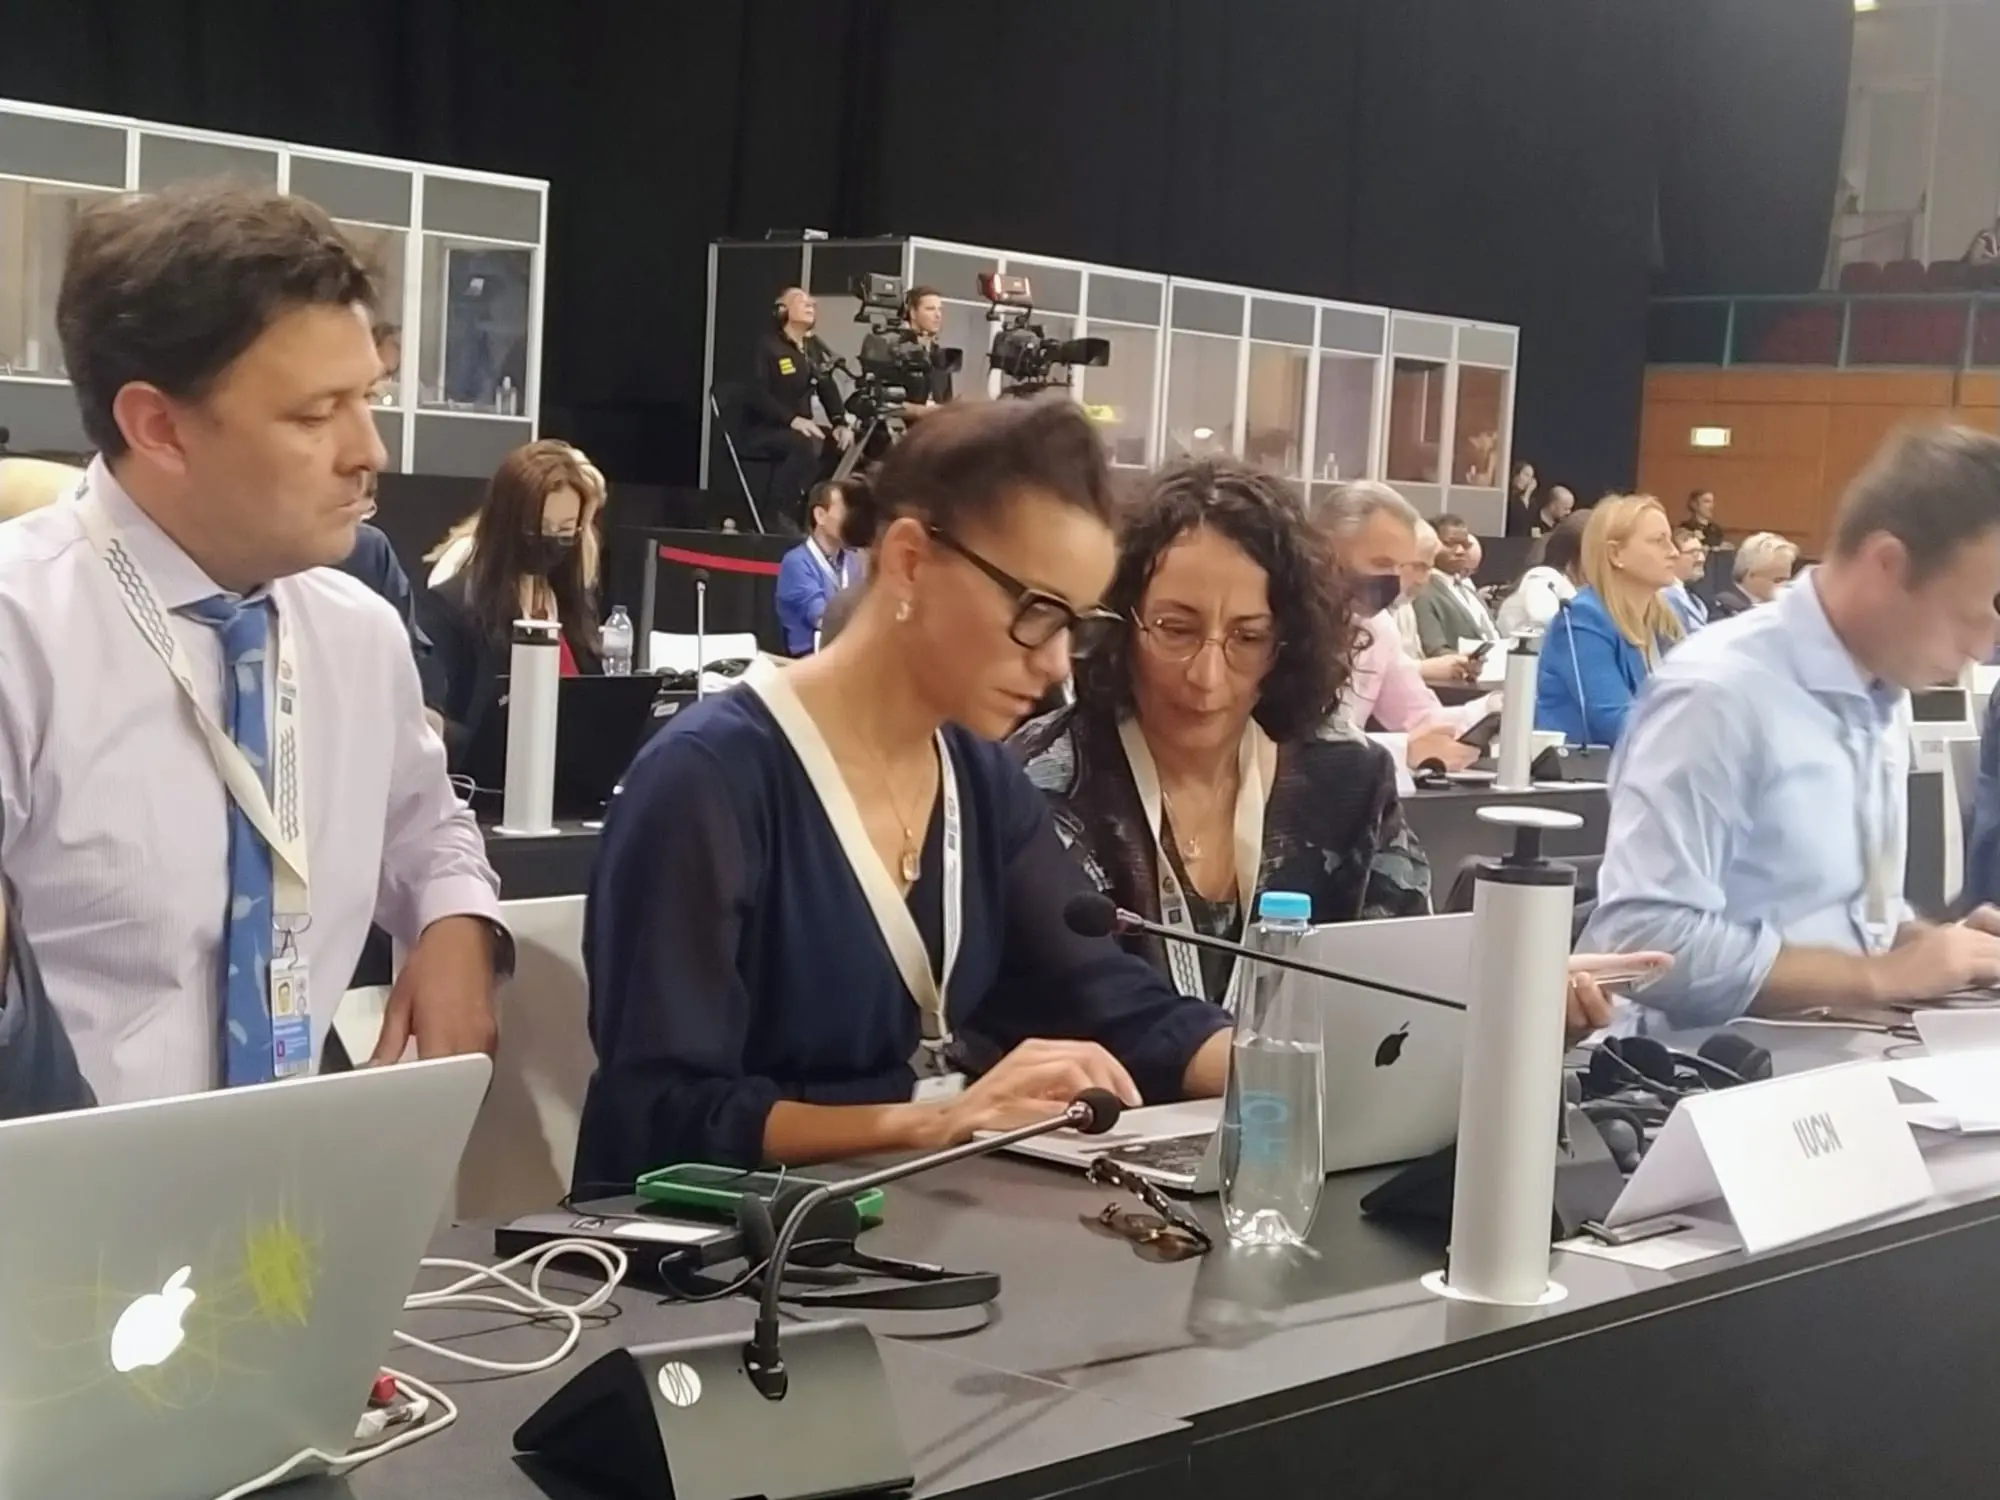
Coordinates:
x,y
1757,825
814,571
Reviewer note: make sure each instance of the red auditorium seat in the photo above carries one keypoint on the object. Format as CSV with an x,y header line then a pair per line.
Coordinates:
x,y
1903,276
1861,276
1948,276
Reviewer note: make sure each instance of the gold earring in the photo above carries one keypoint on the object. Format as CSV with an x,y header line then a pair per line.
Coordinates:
x,y
902,611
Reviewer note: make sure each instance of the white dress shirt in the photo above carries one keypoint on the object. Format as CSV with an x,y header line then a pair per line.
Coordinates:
x,y
1468,595
116,822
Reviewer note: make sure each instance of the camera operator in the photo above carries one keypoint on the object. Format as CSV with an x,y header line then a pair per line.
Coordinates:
x,y
923,309
793,366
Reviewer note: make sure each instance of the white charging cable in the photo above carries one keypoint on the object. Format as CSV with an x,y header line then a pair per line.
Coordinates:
x,y
529,1301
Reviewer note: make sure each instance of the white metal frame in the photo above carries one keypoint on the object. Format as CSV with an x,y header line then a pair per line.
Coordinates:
x,y
408,393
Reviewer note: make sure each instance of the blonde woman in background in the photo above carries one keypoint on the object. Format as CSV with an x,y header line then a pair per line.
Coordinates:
x,y
1604,643
1763,565
455,547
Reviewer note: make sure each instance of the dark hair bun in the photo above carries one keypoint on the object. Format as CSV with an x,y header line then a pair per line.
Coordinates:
x,y
864,518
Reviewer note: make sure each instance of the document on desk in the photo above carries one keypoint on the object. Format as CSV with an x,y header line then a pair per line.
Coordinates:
x,y
1789,1158
1964,1087
1972,1029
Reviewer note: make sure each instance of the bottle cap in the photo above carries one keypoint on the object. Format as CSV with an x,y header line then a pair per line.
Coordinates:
x,y
1285,906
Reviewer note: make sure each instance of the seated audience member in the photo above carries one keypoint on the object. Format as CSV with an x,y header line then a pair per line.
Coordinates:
x,y
1758,820
824,895
1449,609
814,571
374,563
1762,566
389,350
38,1071
1691,565
1546,587
454,548
1455,668
1605,641
1204,760
30,483
218,340
534,557
1373,531
1550,508
1701,519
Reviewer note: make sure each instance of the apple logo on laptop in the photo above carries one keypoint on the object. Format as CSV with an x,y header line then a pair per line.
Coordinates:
x,y
1391,1047
149,1331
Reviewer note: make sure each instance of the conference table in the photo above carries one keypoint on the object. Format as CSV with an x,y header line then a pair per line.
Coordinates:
x,y
1859,1364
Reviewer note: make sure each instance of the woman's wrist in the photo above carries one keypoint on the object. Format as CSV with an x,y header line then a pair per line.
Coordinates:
x,y
924,1127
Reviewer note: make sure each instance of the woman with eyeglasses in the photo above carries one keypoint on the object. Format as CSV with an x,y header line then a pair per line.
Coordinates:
x,y
1205,759
827,916
533,556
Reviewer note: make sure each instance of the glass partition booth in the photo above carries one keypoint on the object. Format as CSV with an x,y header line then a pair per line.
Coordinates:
x,y
1315,390
460,257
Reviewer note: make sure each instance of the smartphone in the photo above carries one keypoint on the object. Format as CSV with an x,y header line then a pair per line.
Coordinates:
x,y
1481,735
1478,652
1630,979
713,1191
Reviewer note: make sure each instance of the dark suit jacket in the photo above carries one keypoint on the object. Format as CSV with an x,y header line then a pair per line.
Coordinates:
x,y
38,1071
1442,620
1729,600
468,663
374,562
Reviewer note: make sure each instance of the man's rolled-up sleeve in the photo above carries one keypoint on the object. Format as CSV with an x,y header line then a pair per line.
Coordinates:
x,y
1682,788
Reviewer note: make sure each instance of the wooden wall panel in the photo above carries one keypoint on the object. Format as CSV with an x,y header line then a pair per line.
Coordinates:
x,y
1797,437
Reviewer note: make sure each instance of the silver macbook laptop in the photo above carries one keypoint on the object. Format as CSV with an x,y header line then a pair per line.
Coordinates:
x,y
193,1290
1392,1064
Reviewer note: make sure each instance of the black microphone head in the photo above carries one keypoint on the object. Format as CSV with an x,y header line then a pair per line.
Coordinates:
x,y
1091,914
1105,1107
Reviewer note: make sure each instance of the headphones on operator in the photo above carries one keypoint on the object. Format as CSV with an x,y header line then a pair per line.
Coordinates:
x,y
824,1256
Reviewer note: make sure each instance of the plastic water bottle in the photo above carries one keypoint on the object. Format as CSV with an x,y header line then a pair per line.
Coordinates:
x,y
1273,1141
615,640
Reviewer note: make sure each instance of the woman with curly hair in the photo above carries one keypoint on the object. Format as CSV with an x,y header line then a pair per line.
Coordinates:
x,y
1204,759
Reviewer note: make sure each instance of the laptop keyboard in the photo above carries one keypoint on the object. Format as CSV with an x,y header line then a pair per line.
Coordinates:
x,y
1178,1155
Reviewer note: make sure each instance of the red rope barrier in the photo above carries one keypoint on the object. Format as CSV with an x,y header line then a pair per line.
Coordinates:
x,y
718,562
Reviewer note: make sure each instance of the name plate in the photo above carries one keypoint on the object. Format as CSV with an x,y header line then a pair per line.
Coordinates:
x,y
1790,1158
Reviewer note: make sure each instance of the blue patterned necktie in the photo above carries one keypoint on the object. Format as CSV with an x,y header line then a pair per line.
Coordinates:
x,y
246,932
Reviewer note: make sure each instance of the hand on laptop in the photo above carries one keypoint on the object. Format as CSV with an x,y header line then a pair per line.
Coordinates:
x,y
444,996
1033,1082
1588,1004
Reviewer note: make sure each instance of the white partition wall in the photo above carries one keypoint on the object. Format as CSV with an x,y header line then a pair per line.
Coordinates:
x,y
461,256
1316,390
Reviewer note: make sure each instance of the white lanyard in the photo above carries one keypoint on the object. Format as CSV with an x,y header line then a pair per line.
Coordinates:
x,y
1879,828
283,829
1256,763
837,575
905,943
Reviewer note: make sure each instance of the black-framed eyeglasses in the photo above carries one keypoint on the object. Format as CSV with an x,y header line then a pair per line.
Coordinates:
x,y
1039,616
1247,649
1168,1233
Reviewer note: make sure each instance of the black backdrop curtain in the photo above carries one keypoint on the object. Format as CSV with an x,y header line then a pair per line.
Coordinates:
x,y
1495,159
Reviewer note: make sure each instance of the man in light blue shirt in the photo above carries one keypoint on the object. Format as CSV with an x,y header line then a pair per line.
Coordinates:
x,y
1757,825
814,571
1692,564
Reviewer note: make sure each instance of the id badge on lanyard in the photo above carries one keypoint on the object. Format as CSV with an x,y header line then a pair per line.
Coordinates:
x,y
281,826
1255,761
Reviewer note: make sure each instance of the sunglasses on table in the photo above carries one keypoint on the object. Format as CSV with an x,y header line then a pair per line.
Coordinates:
x,y
1167,1233
1039,616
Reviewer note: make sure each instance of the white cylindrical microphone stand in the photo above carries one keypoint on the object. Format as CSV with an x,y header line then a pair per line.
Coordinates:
x,y
534,678
1517,724
700,629
1510,1099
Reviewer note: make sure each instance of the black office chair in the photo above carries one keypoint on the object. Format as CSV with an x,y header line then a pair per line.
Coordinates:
x,y
1459,898
725,406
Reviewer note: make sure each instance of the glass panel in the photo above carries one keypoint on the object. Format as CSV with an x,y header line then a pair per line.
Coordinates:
x,y
383,249
1791,332
1201,395
1686,333
1121,392
1903,330
1416,420
1275,414
1986,334
35,224
473,354
1346,415
1476,430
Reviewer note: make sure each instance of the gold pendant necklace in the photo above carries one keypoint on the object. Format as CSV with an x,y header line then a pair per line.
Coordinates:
x,y
1189,846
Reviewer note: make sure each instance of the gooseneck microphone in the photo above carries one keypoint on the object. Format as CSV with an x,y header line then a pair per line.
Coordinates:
x,y
1092,914
1092,1112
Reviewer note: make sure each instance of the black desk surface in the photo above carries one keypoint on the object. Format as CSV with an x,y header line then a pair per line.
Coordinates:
x,y
1858,1365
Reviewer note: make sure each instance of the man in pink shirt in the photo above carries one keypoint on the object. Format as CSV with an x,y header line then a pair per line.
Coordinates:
x,y
1374,534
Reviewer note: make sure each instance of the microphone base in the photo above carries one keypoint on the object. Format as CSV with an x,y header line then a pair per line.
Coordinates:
x,y
685,1421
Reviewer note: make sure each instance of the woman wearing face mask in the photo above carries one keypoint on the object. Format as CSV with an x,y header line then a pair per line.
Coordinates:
x,y
534,556
1205,759
827,917
1604,643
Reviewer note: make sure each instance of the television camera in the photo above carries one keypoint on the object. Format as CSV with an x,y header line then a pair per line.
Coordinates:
x,y
1022,351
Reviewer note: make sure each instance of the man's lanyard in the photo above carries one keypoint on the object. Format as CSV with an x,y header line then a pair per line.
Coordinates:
x,y
282,827
893,918
1256,765
838,576
1880,831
